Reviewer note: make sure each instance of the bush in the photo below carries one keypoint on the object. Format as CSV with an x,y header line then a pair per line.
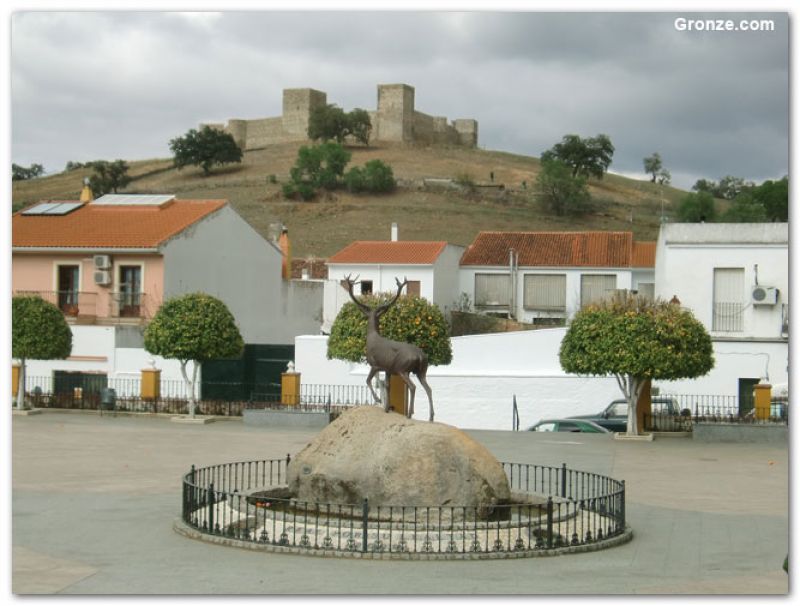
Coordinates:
x,y
561,192
375,177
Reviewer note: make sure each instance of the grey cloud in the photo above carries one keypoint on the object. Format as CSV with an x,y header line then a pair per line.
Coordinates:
x,y
124,83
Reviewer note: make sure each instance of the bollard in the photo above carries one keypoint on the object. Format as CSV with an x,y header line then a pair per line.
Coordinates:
x,y
549,522
564,480
210,504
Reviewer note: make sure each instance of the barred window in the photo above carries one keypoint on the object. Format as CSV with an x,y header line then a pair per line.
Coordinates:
x,y
595,287
492,290
545,292
728,302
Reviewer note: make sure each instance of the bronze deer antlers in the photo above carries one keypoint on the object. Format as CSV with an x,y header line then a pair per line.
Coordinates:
x,y
392,357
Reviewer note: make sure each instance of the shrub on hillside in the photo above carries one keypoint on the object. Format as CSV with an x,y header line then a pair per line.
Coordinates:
x,y
374,177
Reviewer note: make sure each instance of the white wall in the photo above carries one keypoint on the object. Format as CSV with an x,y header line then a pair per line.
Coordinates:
x,y
383,276
477,388
686,255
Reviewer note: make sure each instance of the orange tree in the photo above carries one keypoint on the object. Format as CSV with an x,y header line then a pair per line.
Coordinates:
x,y
38,332
412,320
636,339
196,327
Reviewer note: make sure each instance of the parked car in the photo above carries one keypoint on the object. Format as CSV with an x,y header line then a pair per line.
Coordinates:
x,y
615,416
571,425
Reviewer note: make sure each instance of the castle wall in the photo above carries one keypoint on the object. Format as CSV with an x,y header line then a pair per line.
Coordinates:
x,y
261,133
394,120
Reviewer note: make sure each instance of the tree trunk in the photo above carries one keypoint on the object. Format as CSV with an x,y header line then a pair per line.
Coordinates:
x,y
631,388
21,385
189,385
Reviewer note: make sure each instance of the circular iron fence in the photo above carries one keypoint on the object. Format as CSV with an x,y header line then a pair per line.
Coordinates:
x,y
554,510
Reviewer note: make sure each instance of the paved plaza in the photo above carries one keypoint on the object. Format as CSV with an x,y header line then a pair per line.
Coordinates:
x,y
95,498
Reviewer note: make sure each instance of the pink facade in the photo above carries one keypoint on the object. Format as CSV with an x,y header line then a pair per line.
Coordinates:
x,y
135,288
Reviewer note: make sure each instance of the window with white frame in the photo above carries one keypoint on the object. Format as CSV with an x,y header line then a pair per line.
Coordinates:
x,y
596,287
728,304
492,290
545,292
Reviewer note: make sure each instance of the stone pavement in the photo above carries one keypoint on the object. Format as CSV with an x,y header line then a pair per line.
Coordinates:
x,y
94,499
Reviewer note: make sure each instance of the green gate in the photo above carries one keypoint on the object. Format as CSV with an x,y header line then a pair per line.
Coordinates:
x,y
746,397
256,375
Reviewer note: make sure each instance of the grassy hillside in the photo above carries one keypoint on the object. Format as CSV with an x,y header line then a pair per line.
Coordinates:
x,y
322,227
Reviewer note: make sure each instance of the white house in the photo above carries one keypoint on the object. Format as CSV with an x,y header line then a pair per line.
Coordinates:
x,y
734,277
431,269
545,277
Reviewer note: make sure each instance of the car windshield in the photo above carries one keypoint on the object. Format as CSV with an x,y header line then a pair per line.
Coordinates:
x,y
620,409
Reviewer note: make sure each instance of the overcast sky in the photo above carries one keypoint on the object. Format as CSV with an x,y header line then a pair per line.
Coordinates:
x,y
109,85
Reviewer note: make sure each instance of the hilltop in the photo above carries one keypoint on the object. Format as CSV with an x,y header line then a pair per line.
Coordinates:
x,y
423,212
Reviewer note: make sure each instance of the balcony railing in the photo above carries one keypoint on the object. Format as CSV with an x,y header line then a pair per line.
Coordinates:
x,y
128,305
72,303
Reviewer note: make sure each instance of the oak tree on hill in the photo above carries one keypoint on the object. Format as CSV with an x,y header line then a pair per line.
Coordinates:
x,y
23,173
205,148
652,166
588,157
38,332
194,327
636,339
560,191
109,177
317,166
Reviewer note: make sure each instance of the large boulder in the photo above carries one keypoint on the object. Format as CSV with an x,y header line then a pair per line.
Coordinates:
x,y
392,460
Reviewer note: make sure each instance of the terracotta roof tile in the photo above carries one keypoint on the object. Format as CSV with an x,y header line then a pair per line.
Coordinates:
x,y
93,226
406,252
554,249
644,254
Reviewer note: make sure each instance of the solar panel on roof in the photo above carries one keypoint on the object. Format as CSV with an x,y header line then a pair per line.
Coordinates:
x,y
40,209
64,208
52,208
133,200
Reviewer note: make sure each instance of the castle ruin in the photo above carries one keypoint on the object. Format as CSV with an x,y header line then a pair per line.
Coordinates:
x,y
395,120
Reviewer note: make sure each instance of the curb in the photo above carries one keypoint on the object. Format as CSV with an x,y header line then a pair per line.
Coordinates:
x,y
183,529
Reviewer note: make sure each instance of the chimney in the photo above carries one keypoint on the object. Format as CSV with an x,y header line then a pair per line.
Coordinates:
x,y
286,251
394,232
86,192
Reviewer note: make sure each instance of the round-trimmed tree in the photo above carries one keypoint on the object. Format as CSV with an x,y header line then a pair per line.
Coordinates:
x,y
194,327
38,332
412,320
636,339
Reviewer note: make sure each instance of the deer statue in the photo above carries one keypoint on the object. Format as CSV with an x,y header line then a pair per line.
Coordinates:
x,y
392,357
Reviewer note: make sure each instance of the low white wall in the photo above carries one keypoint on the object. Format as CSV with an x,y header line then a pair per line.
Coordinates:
x,y
476,390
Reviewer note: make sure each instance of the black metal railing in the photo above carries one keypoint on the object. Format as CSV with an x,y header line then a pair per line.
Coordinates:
x,y
712,408
70,302
556,509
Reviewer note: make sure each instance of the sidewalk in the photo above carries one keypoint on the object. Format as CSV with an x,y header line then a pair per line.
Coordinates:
x,y
94,500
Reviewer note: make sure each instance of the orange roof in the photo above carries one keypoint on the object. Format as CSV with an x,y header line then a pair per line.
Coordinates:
x,y
407,252
644,254
95,226
557,249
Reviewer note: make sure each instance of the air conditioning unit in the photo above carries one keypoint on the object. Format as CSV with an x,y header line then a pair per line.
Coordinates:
x,y
102,277
764,295
102,261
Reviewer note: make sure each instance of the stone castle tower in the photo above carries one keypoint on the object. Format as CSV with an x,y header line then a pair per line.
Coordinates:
x,y
395,120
